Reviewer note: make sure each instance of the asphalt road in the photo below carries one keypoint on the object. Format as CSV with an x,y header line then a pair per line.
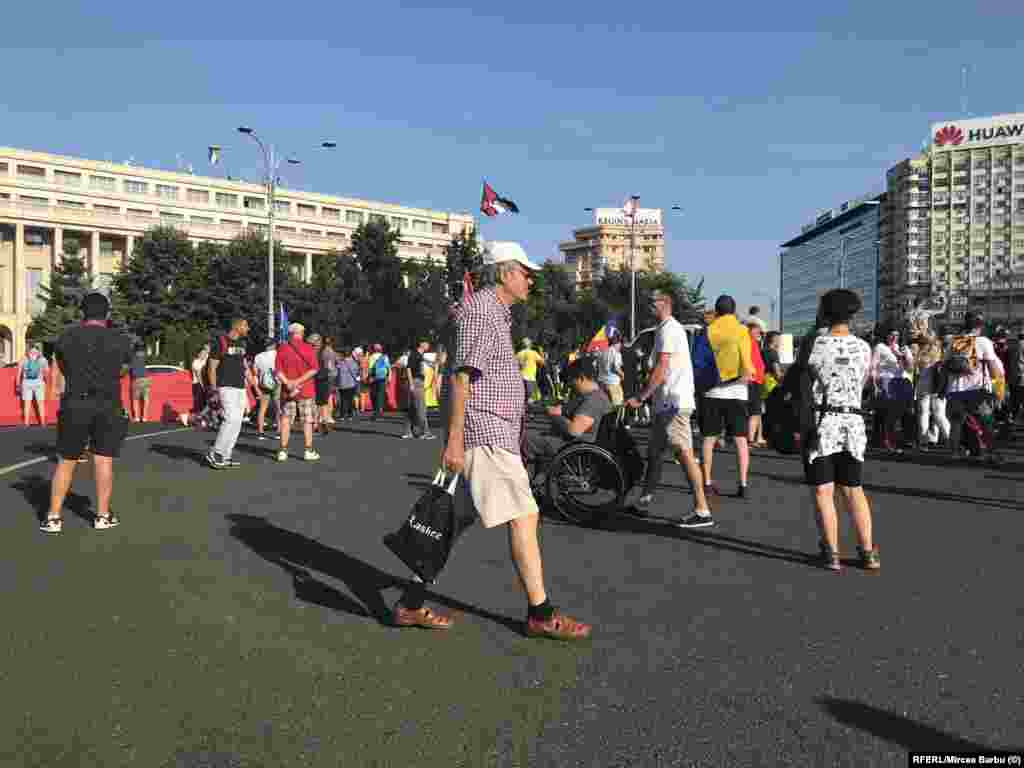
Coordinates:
x,y
234,619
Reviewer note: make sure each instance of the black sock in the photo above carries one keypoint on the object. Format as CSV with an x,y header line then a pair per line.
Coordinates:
x,y
542,612
414,596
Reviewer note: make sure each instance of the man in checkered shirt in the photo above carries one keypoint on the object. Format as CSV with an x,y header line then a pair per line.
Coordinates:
x,y
486,405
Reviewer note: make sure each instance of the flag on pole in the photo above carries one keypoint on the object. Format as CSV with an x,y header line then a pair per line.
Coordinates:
x,y
214,155
603,337
491,204
282,326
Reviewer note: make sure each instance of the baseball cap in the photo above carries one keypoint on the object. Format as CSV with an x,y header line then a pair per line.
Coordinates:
x,y
296,328
498,252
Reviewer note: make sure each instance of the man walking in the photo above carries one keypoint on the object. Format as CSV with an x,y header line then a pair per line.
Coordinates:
x,y
972,364
139,384
672,387
227,377
487,408
609,370
724,407
418,426
266,377
379,370
92,358
31,383
296,366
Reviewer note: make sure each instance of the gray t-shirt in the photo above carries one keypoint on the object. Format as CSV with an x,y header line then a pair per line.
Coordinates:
x,y
595,405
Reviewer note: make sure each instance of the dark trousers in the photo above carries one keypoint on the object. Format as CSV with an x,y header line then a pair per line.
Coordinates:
x,y
378,396
345,403
417,408
1016,400
959,405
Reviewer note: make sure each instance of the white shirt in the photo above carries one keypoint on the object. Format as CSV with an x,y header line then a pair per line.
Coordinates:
x,y
264,362
887,364
676,392
609,363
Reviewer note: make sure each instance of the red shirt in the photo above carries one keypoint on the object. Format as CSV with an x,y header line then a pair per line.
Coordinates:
x,y
294,358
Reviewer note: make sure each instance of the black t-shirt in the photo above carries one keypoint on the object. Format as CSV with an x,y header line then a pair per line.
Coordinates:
x,y
416,364
231,356
596,405
771,359
91,357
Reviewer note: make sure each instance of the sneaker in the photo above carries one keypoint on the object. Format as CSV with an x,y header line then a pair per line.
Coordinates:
x,y
103,522
311,455
697,521
642,505
52,525
407,436
231,464
282,455
215,461
428,436
261,436
741,492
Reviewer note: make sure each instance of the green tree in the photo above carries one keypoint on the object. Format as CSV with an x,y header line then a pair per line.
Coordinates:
x,y
68,284
461,255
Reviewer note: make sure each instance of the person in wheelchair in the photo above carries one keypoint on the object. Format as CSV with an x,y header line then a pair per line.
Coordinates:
x,y
577,421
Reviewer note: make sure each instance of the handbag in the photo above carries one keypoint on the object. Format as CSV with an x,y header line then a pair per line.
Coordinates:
x,y
424,541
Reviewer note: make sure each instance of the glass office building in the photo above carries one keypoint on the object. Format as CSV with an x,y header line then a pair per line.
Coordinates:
x,y
840,249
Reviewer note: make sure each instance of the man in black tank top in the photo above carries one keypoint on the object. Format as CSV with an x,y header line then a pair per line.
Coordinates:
x,y
92,357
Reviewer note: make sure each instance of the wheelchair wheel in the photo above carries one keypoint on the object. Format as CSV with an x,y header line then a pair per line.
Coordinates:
x,y
585,484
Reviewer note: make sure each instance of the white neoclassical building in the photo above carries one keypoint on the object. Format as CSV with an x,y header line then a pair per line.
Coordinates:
x,y
48,202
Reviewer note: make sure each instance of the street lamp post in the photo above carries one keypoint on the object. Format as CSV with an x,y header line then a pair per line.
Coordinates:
x,y
271,164
772,303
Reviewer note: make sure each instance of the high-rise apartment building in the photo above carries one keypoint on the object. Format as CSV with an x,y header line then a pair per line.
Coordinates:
x,y
838,249
608,242
50,204
957,216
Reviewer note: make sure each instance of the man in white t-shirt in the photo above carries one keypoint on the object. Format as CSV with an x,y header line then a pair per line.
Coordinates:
x,y
966,391
609,370
671,385
268,384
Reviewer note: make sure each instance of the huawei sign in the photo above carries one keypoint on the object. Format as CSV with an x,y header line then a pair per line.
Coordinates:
x,y
949,135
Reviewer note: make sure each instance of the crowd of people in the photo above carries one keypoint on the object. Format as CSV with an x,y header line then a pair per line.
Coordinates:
x,y
695,386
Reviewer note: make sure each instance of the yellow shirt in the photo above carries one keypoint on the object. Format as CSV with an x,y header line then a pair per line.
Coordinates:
x,y
528,361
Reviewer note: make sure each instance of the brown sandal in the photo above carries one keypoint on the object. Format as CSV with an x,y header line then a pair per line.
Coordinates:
x,y
558,627
419,617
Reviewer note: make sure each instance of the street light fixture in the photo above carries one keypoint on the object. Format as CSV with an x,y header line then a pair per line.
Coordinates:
x,y
272,164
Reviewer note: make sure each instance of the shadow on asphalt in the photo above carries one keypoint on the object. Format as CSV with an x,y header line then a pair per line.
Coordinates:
x,y
180,452
298,555
36,490
922,493
42,449
896,729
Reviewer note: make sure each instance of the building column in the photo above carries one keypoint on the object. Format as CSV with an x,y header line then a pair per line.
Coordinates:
x,y
94,257
309,267
129,249
17,291
58,247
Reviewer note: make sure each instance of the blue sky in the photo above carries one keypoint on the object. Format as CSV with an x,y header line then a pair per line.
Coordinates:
x,y
751,118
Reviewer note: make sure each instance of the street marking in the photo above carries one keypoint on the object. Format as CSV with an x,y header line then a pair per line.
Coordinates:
x,y
30,462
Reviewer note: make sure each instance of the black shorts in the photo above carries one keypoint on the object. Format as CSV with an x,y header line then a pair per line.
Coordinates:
x,y
839,468
323,391
716,413
755,405
95,422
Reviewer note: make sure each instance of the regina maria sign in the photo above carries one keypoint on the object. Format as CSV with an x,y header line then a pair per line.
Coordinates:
x,y
616,216
983,132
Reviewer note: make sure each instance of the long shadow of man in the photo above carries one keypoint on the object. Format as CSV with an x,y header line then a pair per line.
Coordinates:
x,y
298,554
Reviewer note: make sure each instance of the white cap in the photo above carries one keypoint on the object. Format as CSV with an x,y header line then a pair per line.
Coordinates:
x,y
296,328
498,252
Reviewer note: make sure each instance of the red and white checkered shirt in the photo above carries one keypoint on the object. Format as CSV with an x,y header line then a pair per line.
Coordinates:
x,y
497,401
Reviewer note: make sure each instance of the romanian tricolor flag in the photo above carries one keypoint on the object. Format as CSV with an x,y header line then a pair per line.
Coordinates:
x,y
603,336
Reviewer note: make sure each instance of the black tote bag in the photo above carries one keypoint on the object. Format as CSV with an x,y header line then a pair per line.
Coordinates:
x,y
425,539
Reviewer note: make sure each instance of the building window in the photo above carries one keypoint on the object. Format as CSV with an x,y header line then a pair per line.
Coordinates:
x,y
307,211
3,168
70,204
419,226
33,280
337,235
253,203
139,212
204,220
108,209
67,179
378,218
261,228
198,196
331,213
398,224
439,229
289,230
283,207
136,187
313,232
34,201
166,191
353,217
103,183
171,217
32,171
231,223
225,200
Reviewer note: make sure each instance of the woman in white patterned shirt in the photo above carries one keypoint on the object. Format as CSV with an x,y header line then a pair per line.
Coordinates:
x,y
839,365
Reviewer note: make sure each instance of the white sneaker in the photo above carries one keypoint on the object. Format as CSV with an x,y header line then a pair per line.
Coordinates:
x,y
282,455
407,436
644,502
310,455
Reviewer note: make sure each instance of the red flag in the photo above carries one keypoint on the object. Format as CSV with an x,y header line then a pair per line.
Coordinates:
x,y
491,203
467,286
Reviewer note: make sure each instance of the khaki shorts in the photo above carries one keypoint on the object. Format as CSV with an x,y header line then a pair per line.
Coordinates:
x,y
498,485
306,410
677,430
615,394
140,389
